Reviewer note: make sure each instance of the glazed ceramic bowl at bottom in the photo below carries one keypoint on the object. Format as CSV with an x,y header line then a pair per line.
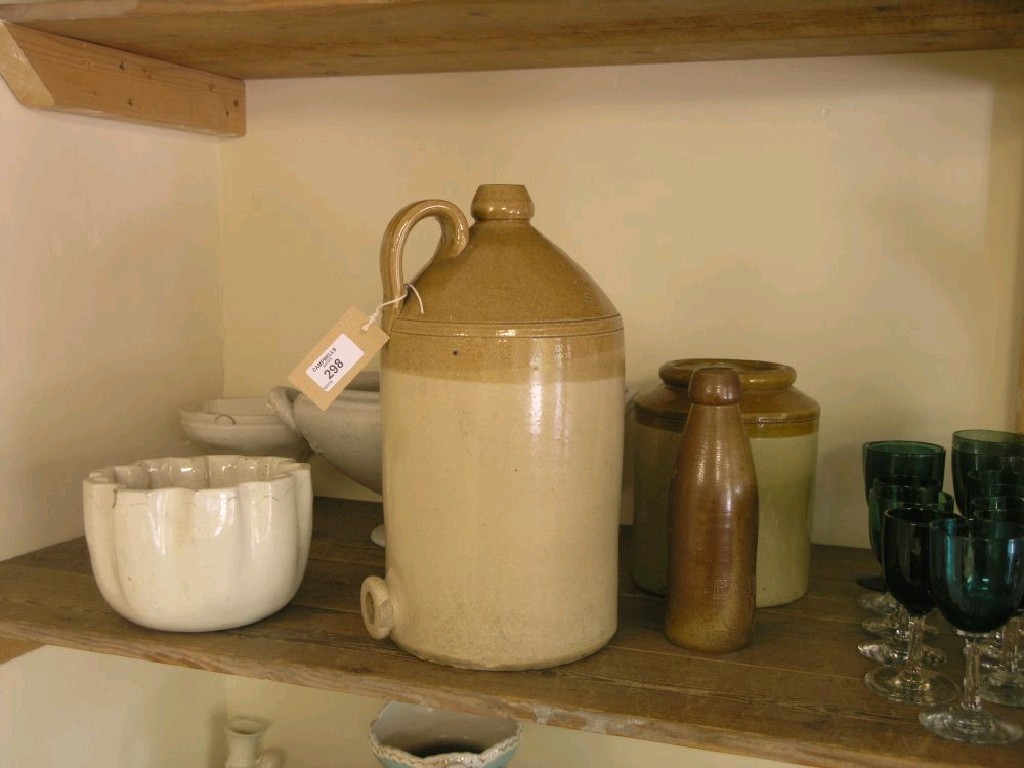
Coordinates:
x,y
412,736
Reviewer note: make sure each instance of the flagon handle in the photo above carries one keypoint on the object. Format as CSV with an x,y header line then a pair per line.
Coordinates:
x,y
454,236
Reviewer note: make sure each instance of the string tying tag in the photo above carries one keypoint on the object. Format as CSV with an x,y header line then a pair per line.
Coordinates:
x,y
375,317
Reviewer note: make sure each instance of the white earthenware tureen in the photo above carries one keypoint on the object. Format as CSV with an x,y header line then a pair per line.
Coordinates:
x,y
347,434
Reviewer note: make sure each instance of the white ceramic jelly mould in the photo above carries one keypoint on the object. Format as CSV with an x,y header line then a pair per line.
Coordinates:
x,y
201,543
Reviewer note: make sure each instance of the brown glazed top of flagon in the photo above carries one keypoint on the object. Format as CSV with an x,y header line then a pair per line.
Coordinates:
x,y
508,280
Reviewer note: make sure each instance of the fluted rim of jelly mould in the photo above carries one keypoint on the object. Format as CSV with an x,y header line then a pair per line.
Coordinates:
x,y
281,468
499,749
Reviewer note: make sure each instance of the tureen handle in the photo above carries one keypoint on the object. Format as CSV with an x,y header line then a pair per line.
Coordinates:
x,y
282,400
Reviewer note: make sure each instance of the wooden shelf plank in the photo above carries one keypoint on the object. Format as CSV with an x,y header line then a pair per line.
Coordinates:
x,y
47,71
303,38
796,694
169,63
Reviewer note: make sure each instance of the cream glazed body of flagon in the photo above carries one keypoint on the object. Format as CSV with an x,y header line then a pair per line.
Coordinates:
x,y
502,408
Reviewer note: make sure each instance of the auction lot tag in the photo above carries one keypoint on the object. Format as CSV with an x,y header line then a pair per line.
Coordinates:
x,y
335,360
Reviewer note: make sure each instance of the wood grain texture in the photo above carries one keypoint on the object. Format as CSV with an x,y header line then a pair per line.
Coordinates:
x,y
12,649
795,694
47,71
296,38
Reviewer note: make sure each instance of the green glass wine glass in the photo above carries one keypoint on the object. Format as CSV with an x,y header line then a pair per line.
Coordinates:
x,y
1004,681
974,450
992,483
904,458
887,492
905,559
977,582
893,629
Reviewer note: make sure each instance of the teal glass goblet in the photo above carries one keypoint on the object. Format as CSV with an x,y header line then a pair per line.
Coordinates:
x,y
1004,681
977,582
903,458
975,450
905,558
893,629
992,483
887,492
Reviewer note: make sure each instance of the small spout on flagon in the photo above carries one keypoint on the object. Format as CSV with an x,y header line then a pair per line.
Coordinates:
x,y
377,608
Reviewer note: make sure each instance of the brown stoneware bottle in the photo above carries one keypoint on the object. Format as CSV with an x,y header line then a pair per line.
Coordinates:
x,y
713,521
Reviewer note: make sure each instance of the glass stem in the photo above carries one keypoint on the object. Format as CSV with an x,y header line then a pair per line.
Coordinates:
x,y
902,622
912,671
971,699
1011,646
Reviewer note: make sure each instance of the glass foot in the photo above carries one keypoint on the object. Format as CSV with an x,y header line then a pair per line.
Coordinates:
x,y
1002,687
926,689
991,651
890,655
881,603
977,727
886,629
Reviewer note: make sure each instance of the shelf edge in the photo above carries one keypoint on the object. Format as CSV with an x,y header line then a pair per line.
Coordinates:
x,y
51,72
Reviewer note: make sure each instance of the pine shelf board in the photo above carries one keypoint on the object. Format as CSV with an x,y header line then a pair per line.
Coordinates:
x,y
305,38
187,61
794,695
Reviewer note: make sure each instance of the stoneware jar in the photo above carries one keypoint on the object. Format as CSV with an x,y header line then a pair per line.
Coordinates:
x,y
782,424
502,410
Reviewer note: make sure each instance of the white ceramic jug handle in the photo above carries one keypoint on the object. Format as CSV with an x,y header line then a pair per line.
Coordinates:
x,y
454,236
281,399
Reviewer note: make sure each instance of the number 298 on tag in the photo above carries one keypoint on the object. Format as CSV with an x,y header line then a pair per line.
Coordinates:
x,y
331,366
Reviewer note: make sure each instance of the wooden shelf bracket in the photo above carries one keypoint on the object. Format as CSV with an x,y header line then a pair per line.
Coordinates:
x,y
46,71
12,649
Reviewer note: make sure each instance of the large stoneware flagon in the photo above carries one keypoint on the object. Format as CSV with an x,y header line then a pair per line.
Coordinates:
x,y
502,410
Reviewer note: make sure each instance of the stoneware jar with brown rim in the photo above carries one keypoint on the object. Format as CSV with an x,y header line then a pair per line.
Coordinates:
x,y
782,423
503,418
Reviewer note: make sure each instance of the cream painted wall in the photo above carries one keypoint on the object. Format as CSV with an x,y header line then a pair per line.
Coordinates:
x,y
111,305
71,709
110,317
857,218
